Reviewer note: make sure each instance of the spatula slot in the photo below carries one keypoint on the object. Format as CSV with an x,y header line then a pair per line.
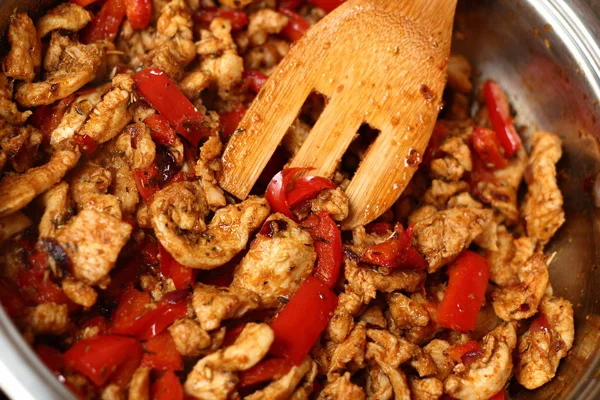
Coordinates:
x,y
357,150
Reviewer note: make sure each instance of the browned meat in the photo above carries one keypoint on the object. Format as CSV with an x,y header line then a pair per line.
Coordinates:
x,y
66,16
25,56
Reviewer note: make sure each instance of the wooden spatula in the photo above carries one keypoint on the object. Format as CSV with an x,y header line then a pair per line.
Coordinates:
x,y
381,62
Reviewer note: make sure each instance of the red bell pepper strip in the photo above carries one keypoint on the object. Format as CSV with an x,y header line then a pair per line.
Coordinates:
x,y
97,358
479,173
498,396
105,24
83,3
11,299
296,26
487,145
124,372
307,188
146,181
395,252
270,369
500,118
254,79
51,357
86,144
205,16
133,318
327,240
468,279
139,13
289,4
230,122
308,312
98,323
456,353
327,5
160,129
167,387
275,193
433,147
46,118
167,99
183,277
161,353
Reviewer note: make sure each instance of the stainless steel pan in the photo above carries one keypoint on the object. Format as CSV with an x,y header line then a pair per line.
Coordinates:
x,y
546,54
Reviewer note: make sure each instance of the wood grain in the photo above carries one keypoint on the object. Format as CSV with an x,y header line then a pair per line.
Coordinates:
x,y
382,62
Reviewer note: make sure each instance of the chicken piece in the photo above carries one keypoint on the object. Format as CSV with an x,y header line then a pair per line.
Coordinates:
x,y
389,348
265,58
397,380
342,321
18,190
190,339
207,165
437,350
521,300
378,384
214,376
542,208
456,161
193,83
8,108
540,350
334,201
510,255
490,372
13,224
422,213
277,262
93,240
89,183
425,389
263,23
374,317
144,153
79,293
502,192
111,391
463,200
123,186
366,281
361,239
295,136
282,388
25,54
112,113
444,235
76,115
139,387
440,191
66,16
214,304
342,388
69,65
459,74
48,318
220,61
406,312
235,3
350,354
21,147
458,107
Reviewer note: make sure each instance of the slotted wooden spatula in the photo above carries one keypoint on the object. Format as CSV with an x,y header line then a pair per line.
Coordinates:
x,y
381,62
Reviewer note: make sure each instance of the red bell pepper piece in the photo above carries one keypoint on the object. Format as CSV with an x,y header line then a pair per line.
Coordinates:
x,y
167,387
271,369
276,190
97,358
230,122
540,323
46,118
457,352
167,99
124,372
254,79
205,16
468,279
289,4
307,188
327,5
11,299
308,312
479,173
51,357
139,13
133,318
161,353
86,144
105,24
395,252
328,245
83,3
99,322
146,181
296,26
183,277
433,147
487,145
498,396
160,129
500,118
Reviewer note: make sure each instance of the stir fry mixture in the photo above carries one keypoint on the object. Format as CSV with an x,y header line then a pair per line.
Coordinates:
x,y
133,275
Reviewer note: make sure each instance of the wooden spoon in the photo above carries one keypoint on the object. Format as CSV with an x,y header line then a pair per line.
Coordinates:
x,y
381,62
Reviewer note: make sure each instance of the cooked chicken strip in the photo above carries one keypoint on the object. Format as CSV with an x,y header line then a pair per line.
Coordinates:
x,y
66,16
25,55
